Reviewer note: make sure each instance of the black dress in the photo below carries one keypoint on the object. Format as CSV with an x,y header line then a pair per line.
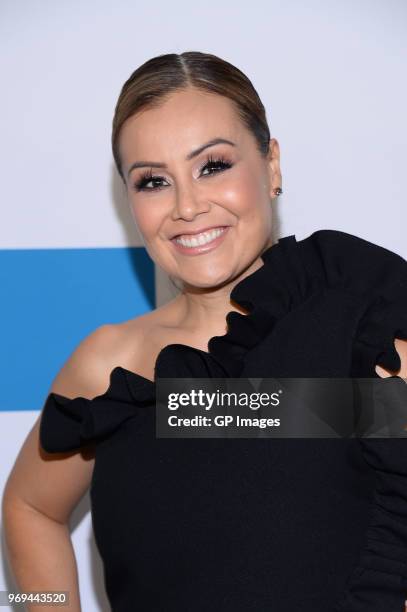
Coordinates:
x,y
239,525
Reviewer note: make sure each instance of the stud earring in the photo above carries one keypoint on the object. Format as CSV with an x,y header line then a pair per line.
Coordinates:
x,y
278,191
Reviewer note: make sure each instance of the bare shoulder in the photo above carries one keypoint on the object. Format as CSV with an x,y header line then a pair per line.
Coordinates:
x,y
132,344
86,372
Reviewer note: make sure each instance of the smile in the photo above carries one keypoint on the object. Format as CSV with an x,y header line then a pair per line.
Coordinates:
x,y
200,243
199,239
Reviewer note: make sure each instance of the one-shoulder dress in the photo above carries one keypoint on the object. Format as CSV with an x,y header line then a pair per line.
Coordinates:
x,y
255,525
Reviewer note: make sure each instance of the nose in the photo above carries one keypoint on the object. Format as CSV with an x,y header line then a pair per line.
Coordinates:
x,y
188,203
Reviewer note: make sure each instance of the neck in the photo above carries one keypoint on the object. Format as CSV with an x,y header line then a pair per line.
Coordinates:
x,y
202,311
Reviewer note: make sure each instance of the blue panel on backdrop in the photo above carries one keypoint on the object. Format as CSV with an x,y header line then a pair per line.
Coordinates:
x,y
52,299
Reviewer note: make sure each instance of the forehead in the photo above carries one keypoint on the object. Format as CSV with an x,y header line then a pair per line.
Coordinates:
x,y
184,121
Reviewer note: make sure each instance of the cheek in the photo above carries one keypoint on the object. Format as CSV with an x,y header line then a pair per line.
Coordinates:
x,y
245,192
147,218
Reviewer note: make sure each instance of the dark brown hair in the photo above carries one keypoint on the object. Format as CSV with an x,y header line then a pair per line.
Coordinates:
x,y
150,84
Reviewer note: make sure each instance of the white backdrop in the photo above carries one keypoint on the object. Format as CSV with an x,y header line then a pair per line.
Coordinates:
x,y
331,75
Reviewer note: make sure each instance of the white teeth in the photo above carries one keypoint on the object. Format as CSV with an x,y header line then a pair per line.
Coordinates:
x,y
199,239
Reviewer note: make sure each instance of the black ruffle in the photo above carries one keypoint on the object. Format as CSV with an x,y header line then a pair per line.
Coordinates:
x,y
293,272
68,424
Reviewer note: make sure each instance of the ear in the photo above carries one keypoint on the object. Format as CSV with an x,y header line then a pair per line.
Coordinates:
x,y
401,348
273,158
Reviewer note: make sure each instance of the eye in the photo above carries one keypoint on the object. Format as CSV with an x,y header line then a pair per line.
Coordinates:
x,y
215,165
218,165
148,177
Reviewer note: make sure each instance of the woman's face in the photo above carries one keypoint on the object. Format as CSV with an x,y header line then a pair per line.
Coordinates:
x,y
174,191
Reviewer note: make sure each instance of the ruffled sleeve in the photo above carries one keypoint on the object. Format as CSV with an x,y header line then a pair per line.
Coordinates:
x,y
377,278
334,305
378,582
68,424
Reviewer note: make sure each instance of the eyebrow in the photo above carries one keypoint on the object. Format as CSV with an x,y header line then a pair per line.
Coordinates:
x,y
191,155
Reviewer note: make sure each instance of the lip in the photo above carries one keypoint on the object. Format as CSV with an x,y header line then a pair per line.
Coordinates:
x,y
202,248
199,231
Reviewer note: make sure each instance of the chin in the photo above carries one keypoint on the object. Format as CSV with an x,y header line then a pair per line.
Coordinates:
x,y
206,283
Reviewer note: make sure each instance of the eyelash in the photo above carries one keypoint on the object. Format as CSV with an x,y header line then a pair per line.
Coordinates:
x,y
222,163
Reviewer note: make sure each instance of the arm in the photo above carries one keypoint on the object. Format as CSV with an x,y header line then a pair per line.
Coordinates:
x,y
43,488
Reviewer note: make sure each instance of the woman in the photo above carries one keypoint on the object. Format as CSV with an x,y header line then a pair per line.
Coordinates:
x,y
220,524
